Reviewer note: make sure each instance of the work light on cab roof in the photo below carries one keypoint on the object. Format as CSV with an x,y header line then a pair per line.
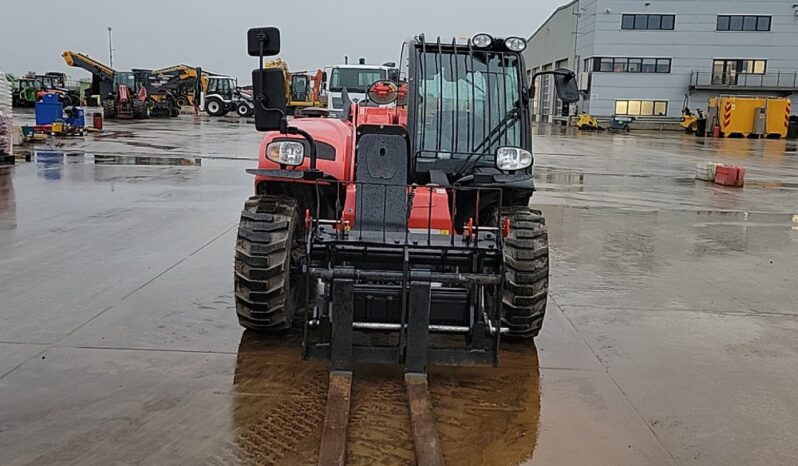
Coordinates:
x,y
486,41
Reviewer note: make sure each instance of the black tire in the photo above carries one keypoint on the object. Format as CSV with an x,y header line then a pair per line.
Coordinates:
x,y
182,101
265,282
242,109
109,108
139,109
526,263
214,107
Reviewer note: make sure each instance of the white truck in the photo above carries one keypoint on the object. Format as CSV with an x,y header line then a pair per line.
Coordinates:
x,y
355,79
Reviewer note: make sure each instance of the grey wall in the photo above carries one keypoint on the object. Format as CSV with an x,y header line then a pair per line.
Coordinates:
x,y
549,46
692,46
554,40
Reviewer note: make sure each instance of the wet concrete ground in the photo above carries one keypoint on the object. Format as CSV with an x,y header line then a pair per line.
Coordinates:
x,y
671,336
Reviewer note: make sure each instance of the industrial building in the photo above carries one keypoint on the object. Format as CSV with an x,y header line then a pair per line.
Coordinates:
x,y
648,59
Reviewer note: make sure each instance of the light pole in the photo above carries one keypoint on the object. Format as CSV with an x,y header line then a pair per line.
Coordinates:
x,y
578,13
110,48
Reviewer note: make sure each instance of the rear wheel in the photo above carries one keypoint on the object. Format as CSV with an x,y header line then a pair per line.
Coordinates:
x,y
268,243
526,263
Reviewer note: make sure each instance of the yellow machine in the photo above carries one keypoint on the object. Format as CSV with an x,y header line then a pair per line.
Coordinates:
x,y
689,122
302,88
751,116
587,122
220,94
183,79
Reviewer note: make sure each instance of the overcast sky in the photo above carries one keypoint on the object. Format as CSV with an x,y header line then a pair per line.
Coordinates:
x,y
211,34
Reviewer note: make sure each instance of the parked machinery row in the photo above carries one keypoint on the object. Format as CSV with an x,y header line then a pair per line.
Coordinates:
x,y
26,90
214,94
125,94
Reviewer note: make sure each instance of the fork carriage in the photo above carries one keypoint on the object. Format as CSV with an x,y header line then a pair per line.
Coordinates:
x,y
399,294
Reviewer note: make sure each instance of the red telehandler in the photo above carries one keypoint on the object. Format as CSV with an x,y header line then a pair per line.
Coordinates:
x,y
399,232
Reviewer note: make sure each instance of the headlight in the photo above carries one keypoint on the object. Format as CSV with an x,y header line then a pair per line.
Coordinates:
x,y
513,158
482,41
286,152
515,44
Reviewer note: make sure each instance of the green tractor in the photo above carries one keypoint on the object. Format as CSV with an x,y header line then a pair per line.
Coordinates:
x,y
28,89
24,91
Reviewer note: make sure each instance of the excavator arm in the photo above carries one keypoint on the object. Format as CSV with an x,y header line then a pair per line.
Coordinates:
x,y
89,64
102,76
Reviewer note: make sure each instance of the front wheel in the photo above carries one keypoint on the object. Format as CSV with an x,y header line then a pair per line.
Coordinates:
x,y
526,265
214,107
266,280
109,108
243,110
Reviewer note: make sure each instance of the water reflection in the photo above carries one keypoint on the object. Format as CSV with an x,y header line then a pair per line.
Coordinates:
x,y
130,160
50,164
484,415
8,204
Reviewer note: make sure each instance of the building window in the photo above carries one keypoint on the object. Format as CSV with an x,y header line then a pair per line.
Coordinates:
x,y
648,22
726,71
744,23
641,107
631,65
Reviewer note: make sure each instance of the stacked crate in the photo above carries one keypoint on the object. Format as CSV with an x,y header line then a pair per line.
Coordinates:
x,y
6,118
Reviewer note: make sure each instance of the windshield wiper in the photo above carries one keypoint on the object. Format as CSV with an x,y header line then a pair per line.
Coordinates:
x,y
501,128
504,125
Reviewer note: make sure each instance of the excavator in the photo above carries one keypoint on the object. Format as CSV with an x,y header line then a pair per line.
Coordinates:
x,y
302,88
125,94
219,94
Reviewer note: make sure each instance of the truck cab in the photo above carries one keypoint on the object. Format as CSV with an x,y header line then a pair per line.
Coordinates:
x,y
355,79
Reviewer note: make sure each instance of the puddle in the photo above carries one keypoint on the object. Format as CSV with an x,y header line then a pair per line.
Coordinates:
x,y
50,164
8,204
107,134
135,160
150,145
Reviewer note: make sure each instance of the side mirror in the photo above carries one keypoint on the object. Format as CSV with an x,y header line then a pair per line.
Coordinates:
x,y
565,83
268,85
263,42
268,88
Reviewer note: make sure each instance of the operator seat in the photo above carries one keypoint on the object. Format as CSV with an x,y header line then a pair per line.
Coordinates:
x,y
381,180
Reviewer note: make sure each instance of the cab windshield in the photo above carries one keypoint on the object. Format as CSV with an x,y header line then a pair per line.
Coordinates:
x,y
125,78
355,79
467,103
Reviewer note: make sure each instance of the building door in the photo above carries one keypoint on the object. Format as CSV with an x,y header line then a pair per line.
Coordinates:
x,y
725,72
545,95
560,108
